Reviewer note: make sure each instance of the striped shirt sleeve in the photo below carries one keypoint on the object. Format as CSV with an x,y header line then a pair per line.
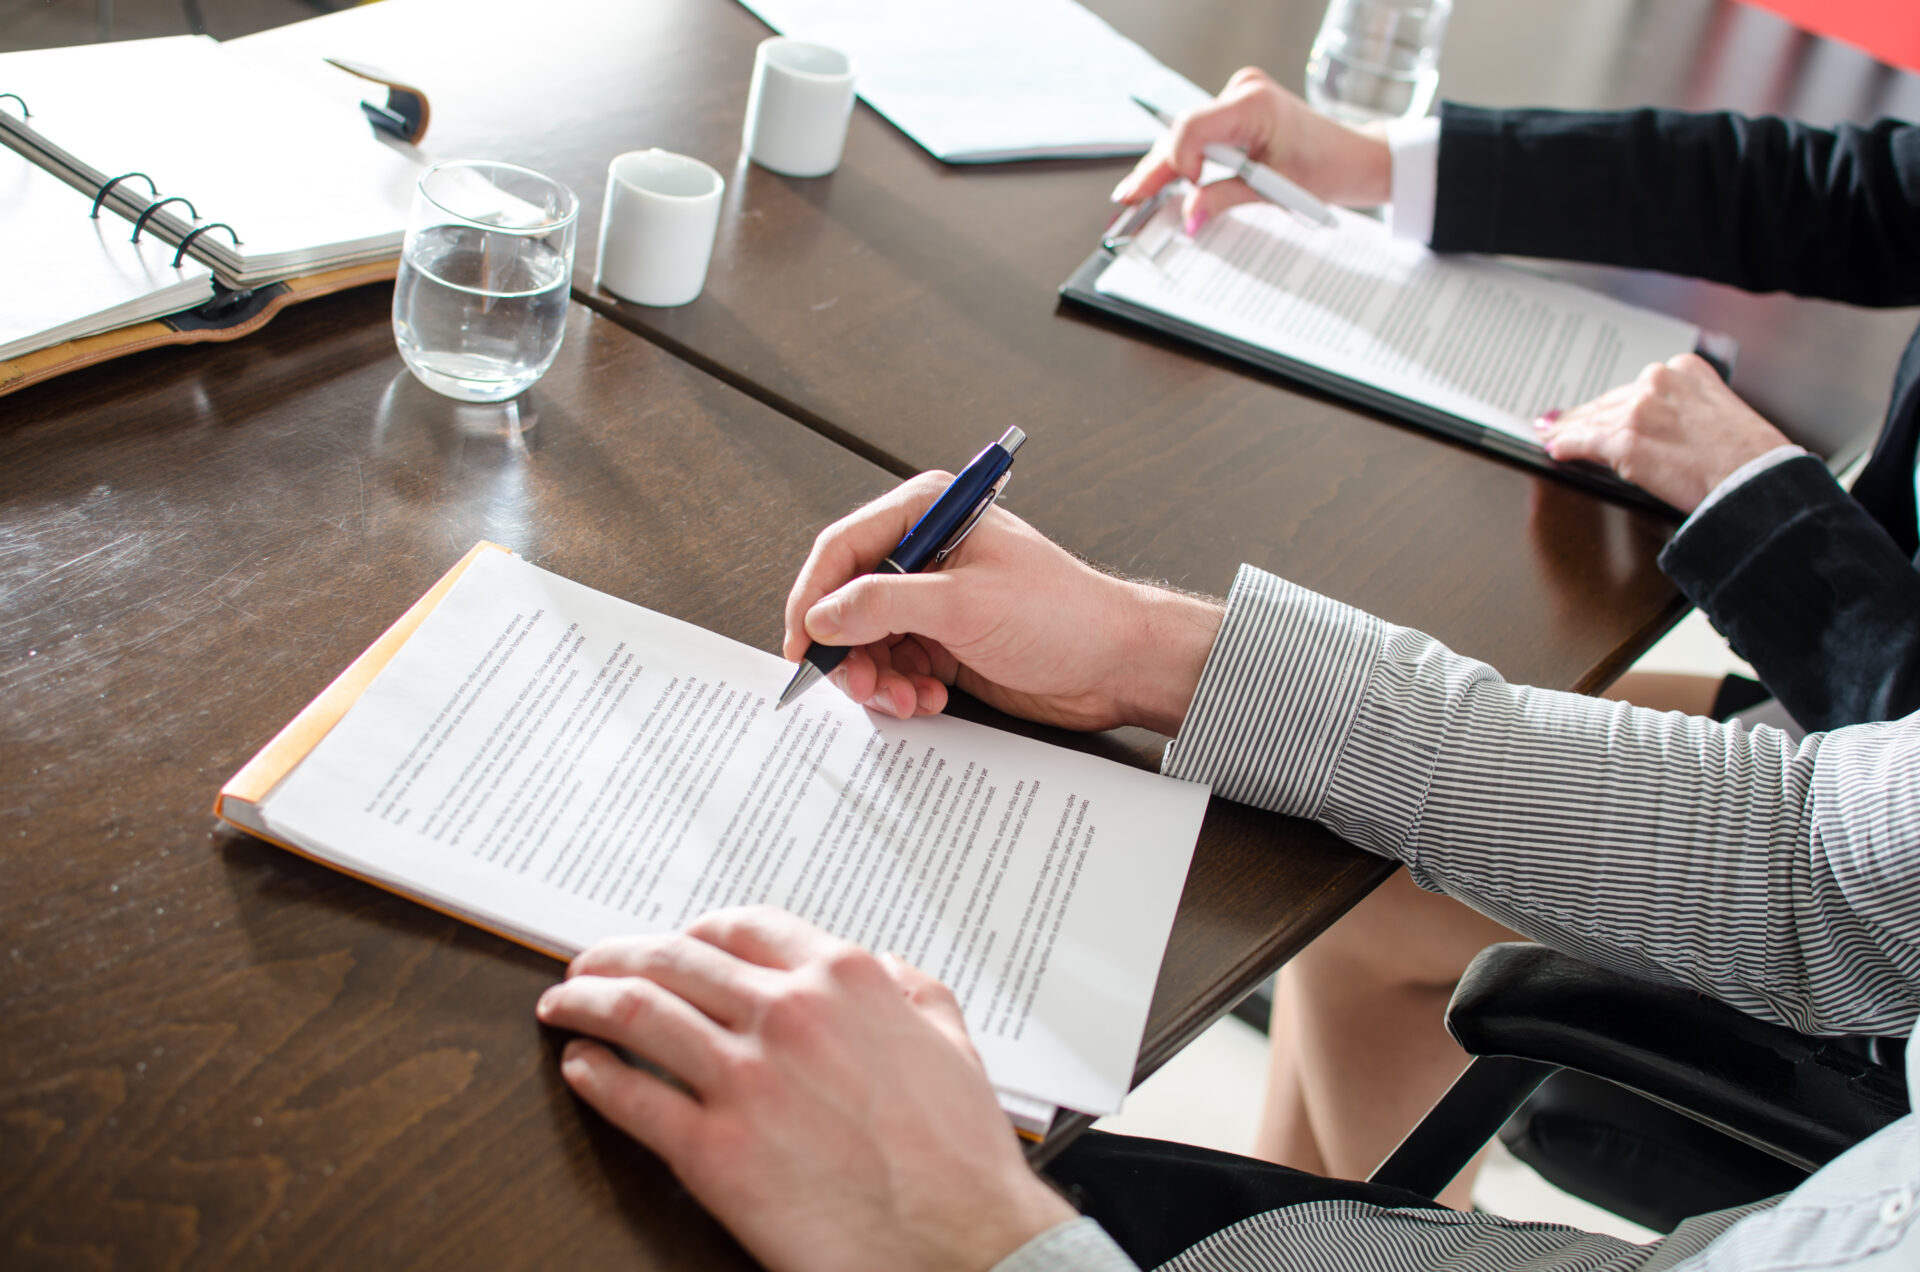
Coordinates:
x,y
1782,879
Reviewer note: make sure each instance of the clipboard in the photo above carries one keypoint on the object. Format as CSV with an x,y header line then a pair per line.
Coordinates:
x,y
1081,289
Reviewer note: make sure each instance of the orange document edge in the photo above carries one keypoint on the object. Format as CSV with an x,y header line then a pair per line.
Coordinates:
x,y
296,741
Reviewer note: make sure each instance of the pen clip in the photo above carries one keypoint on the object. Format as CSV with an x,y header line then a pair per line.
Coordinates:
x,y
1131,222
973,519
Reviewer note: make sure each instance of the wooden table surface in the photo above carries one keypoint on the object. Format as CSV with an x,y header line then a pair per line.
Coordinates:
x,y
219,1054
908,308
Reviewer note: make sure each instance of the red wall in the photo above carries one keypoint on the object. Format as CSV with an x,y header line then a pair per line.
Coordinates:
x,y
1888,29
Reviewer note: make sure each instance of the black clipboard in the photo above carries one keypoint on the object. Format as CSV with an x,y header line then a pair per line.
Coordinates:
x,y
1080,289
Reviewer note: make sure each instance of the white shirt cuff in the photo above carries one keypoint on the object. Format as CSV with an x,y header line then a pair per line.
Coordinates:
x,y
1746,472
1415,146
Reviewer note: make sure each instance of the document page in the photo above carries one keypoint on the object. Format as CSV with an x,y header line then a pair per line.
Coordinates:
x,y
994,79
564,766
1486,342
73,276
300,179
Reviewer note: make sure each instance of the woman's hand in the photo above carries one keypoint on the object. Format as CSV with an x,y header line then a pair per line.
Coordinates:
x,y
1335,162
1676,432
1011,618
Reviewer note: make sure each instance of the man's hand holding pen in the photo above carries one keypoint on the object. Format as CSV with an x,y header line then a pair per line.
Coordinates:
x,y
1011,618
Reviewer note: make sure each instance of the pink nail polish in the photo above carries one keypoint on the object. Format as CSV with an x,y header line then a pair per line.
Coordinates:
x,y
1195,221
1547,418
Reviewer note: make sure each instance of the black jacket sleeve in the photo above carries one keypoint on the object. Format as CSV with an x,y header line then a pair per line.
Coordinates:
x,y
1809,589
1763,204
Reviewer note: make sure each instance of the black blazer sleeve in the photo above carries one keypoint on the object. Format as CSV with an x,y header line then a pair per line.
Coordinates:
x,y
1763,204
1809,589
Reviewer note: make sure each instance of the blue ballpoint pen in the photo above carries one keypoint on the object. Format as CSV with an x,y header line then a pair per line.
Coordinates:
x,y
938,532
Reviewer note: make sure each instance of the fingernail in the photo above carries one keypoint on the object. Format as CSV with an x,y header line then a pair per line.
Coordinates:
x,y
823,623
839,679
1194,222
544,1007
1121,191
1546,419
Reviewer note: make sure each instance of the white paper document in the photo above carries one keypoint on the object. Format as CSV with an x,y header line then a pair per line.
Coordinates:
x,y
994,79
1482,341
66,275
301,179
563,766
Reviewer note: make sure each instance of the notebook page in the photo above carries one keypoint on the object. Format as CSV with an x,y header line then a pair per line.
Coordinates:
x,y
1486,342
303,180
67,275
993,79
562,764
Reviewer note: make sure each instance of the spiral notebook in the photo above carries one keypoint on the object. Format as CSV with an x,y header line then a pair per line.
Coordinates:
x,y
146,172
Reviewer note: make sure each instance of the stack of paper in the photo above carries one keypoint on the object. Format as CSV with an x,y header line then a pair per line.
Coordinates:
x,y
1457,337
994,79
561,766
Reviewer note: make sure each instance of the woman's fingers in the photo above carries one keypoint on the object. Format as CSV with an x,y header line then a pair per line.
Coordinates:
x,y
1203,203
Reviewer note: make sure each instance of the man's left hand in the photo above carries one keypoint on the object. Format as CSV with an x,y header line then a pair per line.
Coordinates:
x,y
833,1114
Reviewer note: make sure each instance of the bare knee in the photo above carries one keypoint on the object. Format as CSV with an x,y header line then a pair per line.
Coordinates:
x,y
1400,938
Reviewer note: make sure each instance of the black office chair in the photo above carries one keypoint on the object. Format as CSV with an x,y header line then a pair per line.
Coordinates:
x,y
1659,1102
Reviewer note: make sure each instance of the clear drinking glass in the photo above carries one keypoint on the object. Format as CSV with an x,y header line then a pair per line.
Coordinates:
x,y
481,300
1377,59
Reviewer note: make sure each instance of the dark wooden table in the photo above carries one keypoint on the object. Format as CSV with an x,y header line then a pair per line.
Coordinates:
x,y
907,308
219,1054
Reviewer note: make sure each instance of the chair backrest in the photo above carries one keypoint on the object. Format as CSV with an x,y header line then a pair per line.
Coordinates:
x,y
1803,1099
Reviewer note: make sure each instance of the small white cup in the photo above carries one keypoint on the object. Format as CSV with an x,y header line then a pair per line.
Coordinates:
x,y
798,107
657,227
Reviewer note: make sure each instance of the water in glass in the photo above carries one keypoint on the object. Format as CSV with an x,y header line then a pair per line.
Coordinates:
x,y
480,304
1377,59
479,314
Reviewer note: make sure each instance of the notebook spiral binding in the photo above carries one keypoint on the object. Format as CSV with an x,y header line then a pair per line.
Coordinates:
x,y
152,189
154,204
196,232
140,223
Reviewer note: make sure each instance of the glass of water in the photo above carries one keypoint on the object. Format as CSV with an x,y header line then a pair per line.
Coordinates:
x,y
481,300
1377,59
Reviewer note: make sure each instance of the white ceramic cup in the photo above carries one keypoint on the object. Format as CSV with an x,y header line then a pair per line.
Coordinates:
x,y
798,107
657,227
